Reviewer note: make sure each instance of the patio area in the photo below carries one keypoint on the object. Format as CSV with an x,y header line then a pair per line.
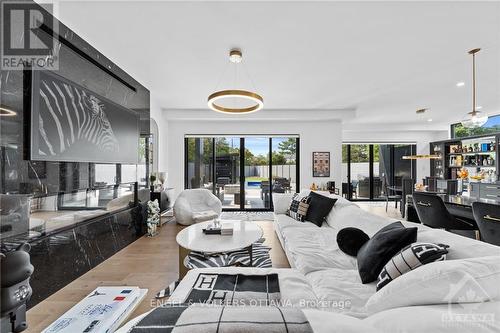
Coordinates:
x,y
255,197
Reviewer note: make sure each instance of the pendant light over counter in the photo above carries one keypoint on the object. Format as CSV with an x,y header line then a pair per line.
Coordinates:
x,y
474,118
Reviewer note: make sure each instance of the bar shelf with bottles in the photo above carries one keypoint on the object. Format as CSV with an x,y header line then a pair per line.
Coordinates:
x,y
472,159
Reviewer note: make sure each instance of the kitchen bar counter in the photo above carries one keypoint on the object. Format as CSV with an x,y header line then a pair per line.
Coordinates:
x,y
457,205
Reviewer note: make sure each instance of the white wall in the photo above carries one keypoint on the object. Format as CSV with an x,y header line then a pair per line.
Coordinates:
x,y
421,138
323,135
157,114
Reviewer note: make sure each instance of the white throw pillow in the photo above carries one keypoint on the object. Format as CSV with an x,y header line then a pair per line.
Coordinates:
x,y
281,202
445,282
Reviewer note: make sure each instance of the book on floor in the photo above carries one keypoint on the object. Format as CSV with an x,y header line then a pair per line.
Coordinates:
x,y
103,310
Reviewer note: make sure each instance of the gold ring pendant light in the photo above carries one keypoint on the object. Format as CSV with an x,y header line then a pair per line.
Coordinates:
x,y
235,56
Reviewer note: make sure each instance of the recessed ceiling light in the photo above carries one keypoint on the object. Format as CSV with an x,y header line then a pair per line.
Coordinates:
x,y
460,84
429,120
479,107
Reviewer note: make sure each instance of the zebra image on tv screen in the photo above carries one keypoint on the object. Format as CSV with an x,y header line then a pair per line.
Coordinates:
x,y
71,123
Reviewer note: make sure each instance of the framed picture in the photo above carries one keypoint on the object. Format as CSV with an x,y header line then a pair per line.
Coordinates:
x,y
321,164
70,123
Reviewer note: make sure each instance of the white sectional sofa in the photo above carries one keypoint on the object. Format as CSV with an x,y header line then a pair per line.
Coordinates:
x,y
334,277
461,294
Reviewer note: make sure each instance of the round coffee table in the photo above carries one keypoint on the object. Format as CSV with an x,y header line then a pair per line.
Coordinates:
x,y
244,235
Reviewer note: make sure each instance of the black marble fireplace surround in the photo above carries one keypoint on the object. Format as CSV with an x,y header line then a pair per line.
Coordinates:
x,y
101,196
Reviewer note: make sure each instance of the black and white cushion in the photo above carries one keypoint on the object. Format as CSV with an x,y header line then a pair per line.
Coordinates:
x,y
298,208
384,245
409,258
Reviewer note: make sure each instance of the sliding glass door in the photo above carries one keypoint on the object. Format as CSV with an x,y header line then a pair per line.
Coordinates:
x,y
242,172
227,170
257,181
368,170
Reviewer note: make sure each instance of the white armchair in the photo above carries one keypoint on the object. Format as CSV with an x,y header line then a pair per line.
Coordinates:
x,y
198,205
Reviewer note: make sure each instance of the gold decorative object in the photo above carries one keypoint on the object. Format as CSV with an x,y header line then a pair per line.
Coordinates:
x,y
420,157
219,95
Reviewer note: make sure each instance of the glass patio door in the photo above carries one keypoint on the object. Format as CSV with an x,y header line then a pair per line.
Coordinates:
x,y
369,169
227,171
242,172
257,176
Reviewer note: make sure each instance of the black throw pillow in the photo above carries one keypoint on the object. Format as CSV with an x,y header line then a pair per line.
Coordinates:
x,y
350,240
377,252
319,207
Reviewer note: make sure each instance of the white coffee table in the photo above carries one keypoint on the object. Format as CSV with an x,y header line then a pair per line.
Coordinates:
x,y
244,235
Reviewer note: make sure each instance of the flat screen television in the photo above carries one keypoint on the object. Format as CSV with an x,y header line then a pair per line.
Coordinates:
x,y
70,123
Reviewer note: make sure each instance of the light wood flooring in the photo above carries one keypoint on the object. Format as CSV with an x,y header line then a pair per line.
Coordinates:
x,y
378,208
150,263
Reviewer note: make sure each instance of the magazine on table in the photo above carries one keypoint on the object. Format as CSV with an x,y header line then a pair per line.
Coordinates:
x,y
103,310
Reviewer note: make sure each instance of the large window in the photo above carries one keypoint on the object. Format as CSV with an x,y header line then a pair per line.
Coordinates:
x,y
246,171
368,170
491,126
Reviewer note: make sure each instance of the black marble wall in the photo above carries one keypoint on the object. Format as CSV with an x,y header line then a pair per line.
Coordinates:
x,y
64,255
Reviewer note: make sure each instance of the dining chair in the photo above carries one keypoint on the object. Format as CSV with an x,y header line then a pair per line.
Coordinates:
x,y
487,217
432,212
391,197
407,187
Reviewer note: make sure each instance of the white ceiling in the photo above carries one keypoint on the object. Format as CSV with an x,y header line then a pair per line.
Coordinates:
x,y
382,59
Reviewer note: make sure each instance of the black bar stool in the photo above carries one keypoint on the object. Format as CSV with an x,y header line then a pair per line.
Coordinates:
x,y
487,217
433,213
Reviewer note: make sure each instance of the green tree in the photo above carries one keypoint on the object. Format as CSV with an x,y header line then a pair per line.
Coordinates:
x,y
278,158
360,153
249,157
288,147
260,160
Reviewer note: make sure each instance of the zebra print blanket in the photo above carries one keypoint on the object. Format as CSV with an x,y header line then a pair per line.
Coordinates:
x,y
260,258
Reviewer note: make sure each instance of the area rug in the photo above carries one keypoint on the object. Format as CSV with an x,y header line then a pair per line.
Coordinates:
x,y
248,216
260,258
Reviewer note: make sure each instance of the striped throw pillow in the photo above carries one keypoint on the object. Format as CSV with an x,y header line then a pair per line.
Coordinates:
x,y
409,258
298,208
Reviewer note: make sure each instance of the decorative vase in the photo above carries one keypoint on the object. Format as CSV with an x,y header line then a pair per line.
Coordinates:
x,y
153,218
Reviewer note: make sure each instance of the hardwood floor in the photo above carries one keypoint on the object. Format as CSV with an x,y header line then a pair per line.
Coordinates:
x,y
150,263
378,208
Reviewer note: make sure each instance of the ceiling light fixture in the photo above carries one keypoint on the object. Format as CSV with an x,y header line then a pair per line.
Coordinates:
x,y
460,84
421,157
237,101
429,120
4,112
474,118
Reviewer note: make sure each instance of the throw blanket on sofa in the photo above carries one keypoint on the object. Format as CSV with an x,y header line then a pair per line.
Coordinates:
x,y
201,318
235,289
